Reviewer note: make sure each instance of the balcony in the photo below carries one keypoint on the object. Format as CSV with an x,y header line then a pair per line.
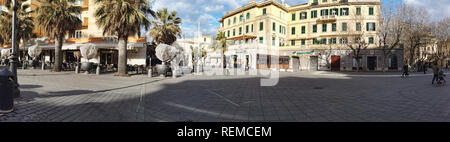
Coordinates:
x,y
327,18
85,24
84,4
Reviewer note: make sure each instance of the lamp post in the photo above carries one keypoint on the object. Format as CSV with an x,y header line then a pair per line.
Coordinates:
x,y
13,57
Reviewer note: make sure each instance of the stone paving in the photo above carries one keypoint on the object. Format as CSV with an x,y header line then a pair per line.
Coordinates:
x,y
300,96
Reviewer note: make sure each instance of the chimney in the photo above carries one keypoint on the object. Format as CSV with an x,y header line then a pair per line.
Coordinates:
x,y
282,2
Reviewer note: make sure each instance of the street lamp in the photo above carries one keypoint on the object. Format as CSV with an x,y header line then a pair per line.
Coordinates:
x,y
13,57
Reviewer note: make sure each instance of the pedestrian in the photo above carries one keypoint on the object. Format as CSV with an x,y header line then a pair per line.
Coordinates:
x,y
435,72
405,71
424,69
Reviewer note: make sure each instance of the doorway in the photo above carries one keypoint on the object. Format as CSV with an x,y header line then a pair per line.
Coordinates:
x,y
371,63
335,63
314,63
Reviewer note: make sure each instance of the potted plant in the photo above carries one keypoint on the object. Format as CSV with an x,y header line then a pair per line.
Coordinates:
x,y
88,52
34,52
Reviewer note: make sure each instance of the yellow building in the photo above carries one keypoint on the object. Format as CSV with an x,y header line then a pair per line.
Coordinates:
x,y
309,36
89,33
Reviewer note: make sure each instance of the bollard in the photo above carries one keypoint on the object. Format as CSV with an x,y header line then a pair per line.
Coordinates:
x,y
174,73
98,70
150,73
43,66
77,70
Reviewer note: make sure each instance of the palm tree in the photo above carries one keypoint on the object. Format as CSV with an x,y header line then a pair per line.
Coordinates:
x,y
24,22
122,18
57,18
166,27
223,41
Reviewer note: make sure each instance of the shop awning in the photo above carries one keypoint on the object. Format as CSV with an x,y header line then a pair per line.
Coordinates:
x,y
304,52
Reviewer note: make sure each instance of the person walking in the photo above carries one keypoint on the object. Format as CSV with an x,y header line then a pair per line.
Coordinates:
x,y
435,72
405,71
424,69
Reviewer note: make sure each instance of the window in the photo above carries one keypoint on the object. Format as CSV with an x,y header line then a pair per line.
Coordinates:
x,y
371,11
261,40
324,27
324,0
323,41
371,40
274,26
303,29
229,21
344,11
261,26
222,24
334,11
234,32
324,12
358,26
273,41
370,26
358,11
360,62
248,16
343,41
293,31
332,40
241,18
314,14
252,28
315,41
293,16
292,42
228,33
333,27
303,42
344,27
240,30
77,34
264,11
315,2
246,29
303,15
314,28
234,20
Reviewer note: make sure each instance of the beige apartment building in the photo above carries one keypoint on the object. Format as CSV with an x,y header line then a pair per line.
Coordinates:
x,y
88,33
309,36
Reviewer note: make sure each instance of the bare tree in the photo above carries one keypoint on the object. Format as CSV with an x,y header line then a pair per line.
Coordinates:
x,y
415,32
441,31
390,32
355,39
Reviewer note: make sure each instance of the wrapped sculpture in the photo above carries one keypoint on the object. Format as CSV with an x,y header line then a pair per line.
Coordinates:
x,y
4,56
165,53
34,52
88,51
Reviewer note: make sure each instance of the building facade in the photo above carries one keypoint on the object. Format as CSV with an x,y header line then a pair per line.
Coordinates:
x,y
310,36
87,33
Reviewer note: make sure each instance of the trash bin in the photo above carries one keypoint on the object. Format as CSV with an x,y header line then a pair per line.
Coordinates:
x,y
6,89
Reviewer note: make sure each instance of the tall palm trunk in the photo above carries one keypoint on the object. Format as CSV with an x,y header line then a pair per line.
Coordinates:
x,y
122,71
58,53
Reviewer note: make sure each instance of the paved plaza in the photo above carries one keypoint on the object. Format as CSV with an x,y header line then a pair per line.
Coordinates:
x,y
300,96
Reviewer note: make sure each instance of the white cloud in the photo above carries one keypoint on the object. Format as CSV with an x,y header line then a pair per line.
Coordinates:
x,y
437,9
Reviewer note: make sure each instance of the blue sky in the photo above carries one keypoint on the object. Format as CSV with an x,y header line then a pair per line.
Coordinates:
x,y
208,12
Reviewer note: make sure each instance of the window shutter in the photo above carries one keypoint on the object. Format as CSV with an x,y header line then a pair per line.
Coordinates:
x,y
367,26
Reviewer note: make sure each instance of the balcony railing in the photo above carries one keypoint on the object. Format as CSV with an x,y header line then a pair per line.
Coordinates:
x,y
328,17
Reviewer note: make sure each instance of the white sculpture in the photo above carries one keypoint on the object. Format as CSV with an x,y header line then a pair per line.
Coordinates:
x,y
5,53
88,51
34,51
166,53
